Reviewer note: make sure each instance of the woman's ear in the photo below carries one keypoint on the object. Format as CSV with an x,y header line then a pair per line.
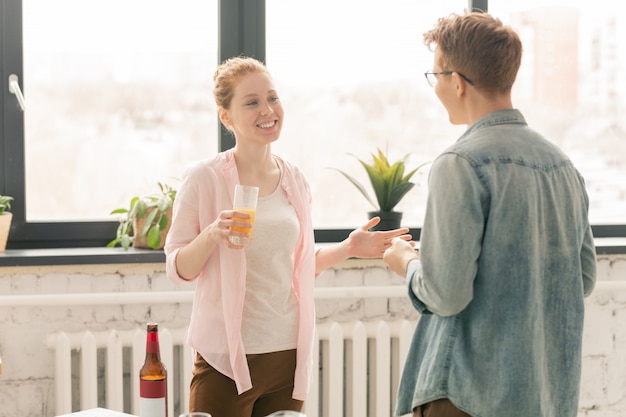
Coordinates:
x,y
223,114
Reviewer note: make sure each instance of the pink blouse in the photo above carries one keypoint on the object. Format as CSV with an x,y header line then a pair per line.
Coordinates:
x,y
215,326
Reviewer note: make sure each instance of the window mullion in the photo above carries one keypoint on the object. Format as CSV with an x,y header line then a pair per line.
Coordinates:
x,y
241,32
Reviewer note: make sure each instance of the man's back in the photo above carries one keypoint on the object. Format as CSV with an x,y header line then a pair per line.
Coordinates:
x,y
506,258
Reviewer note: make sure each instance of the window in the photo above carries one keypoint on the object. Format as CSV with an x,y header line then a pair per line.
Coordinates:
x,y
116,87
116,101
351,85
118,96
571,87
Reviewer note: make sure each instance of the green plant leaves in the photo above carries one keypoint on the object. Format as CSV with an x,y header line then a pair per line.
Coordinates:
x,y
152,209
358,185
388,181
5,203
154,237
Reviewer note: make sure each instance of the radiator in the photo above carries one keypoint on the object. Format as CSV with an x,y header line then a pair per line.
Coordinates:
x,y
359,365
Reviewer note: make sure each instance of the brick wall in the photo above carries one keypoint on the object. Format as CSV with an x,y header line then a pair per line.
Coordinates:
x,y
27,386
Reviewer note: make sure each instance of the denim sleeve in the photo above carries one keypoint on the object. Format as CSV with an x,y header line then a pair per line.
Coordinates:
x,y
451,239
588,263
413,273
588,258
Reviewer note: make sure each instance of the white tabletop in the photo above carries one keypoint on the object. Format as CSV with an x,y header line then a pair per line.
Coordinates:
x,y
97,412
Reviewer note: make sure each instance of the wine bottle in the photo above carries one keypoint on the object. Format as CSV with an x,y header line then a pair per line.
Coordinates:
x,y
153,378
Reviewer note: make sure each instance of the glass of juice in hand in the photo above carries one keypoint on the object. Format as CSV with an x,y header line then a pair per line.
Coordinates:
x,y
246,198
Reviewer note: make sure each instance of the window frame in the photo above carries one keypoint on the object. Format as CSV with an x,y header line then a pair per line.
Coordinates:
x,y
241,27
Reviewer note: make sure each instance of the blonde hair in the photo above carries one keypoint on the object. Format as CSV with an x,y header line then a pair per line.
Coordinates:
x,y
480,47
228,74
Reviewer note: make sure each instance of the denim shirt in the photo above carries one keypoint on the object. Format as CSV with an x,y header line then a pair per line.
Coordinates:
x,y
507,257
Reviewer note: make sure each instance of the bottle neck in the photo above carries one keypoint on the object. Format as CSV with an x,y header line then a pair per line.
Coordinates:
x,y
152,343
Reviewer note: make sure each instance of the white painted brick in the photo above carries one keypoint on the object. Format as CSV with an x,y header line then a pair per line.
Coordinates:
x,y
9,406
375,308
5,315
600,298
615,377
57,314
616,362
32,394
593,383
26,315
348,311
106,313
136,313
617,269
77,321
617,272
165,312
377,277
5,285
326,278
107,283
348,278
603,266
35,398
618,297
597,333
160,282
26,284
324,309
134,282
22,353
402,307
597,413
53,283
79,283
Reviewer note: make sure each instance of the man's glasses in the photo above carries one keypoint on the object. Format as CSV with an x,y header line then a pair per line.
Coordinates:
x,y
431,77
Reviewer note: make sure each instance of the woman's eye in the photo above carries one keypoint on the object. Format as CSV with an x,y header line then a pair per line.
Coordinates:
x,y
273,99
251,103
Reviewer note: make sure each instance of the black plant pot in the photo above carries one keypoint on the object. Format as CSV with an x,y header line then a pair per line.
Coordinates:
x,y
388,219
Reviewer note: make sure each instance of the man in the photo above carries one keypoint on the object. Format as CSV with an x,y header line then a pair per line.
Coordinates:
x,y
506,251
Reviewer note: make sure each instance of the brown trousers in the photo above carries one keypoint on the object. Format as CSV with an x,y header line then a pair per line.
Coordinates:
x,y
439,408
272,386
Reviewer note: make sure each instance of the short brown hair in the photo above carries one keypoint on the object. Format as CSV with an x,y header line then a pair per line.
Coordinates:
x,y
228,74
480,47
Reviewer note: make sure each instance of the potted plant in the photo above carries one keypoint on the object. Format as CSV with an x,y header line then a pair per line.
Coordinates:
x,y
390,184
146,222
5,220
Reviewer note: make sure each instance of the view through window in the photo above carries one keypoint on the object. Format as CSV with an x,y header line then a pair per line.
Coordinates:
x,y
352,81
358,84
121,98
118,97
572,88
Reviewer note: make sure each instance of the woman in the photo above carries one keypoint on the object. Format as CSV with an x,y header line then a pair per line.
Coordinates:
x,y
253,317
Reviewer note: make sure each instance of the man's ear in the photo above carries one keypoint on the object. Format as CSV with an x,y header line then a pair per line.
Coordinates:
x,y
459,83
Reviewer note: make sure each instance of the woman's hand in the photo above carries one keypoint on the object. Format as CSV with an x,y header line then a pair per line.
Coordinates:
x,y
364,243
229,223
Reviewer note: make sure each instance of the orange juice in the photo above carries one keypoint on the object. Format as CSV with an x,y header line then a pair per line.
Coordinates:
x,y
243,241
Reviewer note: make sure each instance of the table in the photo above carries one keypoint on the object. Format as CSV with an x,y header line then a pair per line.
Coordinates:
x,y
97,412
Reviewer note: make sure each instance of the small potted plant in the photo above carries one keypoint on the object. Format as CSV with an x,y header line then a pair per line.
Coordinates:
x,y
390,184
146,222
5,220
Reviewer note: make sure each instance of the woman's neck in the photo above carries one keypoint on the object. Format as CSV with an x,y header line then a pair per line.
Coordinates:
x,y
256,166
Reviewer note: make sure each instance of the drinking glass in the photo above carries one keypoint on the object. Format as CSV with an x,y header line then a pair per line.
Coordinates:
x,y
246,197
195,414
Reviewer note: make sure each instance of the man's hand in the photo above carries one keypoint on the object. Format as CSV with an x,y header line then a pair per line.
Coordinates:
x,y
399,254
